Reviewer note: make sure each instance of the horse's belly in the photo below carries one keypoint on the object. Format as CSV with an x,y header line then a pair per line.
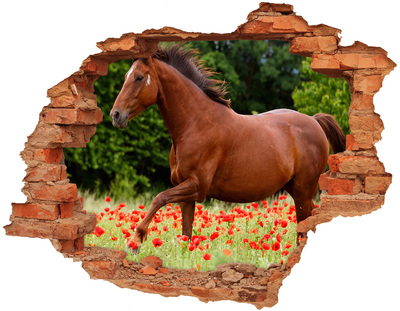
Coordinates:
x,y
244,184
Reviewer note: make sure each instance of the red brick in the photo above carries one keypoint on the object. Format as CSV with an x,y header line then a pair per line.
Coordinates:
x,y
148,270
93,66
57,193
351,207
200,291
48,136
78,204
63,102
100,269
79,243
276,25
338,186
66,209
326,64
46,173
359,141
361,102
163,270
377,184
61,89
355,164
72,116
50,156
151,261
307,46
323,181
367,84
67,245
366,123
122,44
36,211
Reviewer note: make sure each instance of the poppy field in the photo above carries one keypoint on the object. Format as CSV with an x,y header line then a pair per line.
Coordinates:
x,y
260,233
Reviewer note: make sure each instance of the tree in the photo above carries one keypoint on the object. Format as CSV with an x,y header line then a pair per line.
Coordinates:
x,y
318,93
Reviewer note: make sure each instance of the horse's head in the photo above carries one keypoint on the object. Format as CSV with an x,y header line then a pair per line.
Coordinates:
x,y
138,92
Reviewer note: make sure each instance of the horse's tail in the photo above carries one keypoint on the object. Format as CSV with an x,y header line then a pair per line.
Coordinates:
x,y
332,131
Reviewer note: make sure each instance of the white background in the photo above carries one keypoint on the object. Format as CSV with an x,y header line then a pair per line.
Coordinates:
x,y
350,263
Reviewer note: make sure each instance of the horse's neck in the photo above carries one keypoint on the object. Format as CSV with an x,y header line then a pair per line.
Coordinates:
x,y
181,103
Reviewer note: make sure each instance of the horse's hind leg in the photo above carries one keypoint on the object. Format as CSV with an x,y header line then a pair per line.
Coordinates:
x,y
187,209
302,191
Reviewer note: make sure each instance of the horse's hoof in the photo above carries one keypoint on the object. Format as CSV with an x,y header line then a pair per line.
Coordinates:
x,y
135,251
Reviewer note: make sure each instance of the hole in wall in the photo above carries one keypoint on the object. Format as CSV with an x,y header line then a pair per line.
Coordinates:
x,y
260,76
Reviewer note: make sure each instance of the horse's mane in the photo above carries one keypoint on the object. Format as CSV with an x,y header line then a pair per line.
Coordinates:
x,y
186,61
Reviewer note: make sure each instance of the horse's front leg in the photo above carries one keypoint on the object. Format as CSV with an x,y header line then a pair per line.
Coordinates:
x,y
187,209
184,192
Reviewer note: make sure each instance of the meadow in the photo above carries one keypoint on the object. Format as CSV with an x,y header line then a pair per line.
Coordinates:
x,y
260,233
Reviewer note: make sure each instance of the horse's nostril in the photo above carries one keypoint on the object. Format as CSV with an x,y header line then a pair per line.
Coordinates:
x,y
116,115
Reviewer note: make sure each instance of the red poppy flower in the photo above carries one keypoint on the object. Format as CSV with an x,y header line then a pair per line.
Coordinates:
x,y
253,245
122,204
284,223
227,252
107,209
266,246
165,228
278,237
214,236
157,242
245,240
132,244
196,240
276,246
99,231
191,246
108,199
141,206
275,203
229,242
114,238
207,256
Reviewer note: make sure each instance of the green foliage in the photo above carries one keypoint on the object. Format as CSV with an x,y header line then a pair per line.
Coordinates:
x,y
322,94
260,74
122,162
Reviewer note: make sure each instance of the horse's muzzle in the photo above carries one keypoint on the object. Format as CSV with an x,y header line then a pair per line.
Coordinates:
x,y
118,119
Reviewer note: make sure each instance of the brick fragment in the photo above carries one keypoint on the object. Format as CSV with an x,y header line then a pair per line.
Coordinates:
x,y
36,211
366,123
148,270
307,46
367,84
50,156
355,164
46,173
72,116
63,101
338,186
57,193
151,261
200,291
66,209
377,184
100,269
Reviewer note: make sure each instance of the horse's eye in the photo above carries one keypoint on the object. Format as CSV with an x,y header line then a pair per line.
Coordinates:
x,y
139,78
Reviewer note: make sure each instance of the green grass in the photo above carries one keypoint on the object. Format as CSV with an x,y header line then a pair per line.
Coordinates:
x,y
119,221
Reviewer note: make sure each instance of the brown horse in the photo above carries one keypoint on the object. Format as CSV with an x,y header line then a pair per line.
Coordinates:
x,y
216,152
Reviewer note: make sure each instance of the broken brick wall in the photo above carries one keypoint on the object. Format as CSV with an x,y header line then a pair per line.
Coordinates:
x,y
355,184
